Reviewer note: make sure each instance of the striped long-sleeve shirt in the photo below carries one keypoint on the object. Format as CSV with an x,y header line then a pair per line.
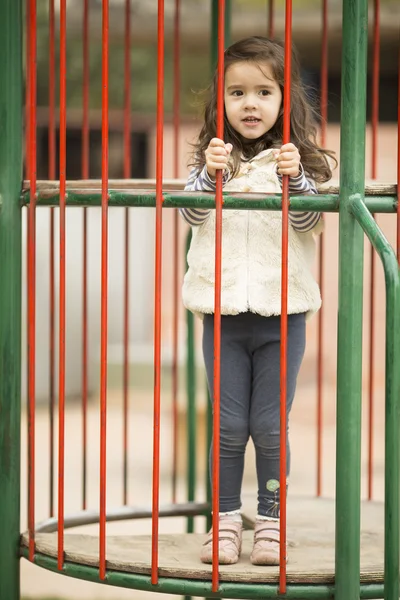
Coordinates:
x,y
201,181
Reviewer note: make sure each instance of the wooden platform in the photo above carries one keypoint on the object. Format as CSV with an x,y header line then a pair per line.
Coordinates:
x,y
311,549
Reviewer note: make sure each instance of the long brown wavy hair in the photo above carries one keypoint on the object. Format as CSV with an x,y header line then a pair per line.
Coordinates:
x,y
303,117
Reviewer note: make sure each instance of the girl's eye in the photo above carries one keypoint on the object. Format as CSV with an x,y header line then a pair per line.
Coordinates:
x,y
237,93
265,92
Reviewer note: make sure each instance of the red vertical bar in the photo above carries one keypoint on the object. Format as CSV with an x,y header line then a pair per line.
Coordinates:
x,y
85,175
126,361
127,174
285,240
52,176
324,119
320,371
177,85
127,91
324,72
175,325
84,360
157,302
371,372
61,382
104,290
271,28
28,177
175,318
27,91
52,116
217,300
32,276
85,92
374,157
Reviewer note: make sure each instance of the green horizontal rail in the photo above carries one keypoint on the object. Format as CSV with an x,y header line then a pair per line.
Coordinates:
x,y
138,198
392,391
202,588
91,517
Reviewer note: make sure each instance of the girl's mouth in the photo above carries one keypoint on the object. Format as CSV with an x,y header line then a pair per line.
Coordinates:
x,y
251,121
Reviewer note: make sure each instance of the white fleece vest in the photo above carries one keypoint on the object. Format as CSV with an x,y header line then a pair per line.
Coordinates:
x,y
251,255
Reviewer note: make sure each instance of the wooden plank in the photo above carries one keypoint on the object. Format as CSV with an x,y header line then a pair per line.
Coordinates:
x,y
311,549
94,185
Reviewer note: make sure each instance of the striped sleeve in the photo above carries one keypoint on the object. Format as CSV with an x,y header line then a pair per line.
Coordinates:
x,y
199,182
302,221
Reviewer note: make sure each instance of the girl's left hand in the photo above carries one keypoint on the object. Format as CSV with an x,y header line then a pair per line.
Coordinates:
x,y
288,160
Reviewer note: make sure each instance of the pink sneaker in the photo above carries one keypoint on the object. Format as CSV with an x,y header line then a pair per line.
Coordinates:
x,y
266,543
229,543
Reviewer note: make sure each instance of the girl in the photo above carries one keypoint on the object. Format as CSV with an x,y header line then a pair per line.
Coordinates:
x,y
253,159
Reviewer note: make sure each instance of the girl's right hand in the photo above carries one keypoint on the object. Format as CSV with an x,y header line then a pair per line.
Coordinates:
x,y
217,155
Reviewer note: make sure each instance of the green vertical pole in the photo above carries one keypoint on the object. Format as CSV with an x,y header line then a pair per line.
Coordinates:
x,y
352,159
214,29
10,293
392,419
191,408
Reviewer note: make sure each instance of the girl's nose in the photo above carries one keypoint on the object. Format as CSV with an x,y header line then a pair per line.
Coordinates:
x,y
250,102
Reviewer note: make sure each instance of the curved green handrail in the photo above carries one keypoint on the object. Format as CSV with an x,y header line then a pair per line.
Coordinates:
x,y
392,391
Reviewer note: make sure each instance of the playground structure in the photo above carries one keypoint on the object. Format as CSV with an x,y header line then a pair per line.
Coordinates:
x,y
145,562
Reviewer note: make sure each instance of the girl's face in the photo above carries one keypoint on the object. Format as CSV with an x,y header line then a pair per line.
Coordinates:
x,y
252,98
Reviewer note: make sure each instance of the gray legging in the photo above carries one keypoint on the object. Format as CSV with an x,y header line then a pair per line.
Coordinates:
x,y
250,399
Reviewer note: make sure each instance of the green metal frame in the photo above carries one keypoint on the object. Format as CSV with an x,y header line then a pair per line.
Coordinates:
x,y
233,201
10,294
352,176
353,213
191,408
355,219
214,30
201,588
